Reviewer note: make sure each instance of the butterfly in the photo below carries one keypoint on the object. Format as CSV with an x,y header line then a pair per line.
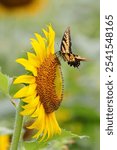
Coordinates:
x,y
66,51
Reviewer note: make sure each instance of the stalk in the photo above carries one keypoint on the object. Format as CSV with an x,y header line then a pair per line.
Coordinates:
x,y
17,127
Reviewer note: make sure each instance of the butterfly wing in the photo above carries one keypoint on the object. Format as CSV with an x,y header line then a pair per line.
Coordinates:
x,y
66,52
66,42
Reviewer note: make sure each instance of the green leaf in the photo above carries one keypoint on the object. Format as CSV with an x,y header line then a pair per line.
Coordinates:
x,y
4,83
66,135
57,142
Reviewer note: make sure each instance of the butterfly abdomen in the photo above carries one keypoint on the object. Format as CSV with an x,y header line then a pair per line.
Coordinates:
x,y
73,61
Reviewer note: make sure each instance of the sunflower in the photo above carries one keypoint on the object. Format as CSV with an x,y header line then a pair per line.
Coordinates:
x,y
20,7
42,93
4,142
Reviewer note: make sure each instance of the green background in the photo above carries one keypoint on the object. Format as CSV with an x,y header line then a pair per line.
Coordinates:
x,y
79,111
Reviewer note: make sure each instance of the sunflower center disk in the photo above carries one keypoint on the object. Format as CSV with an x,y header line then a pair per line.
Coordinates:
x,y
49,83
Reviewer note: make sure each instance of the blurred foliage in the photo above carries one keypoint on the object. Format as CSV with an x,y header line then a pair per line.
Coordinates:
x,y
79,111
65,140
3,83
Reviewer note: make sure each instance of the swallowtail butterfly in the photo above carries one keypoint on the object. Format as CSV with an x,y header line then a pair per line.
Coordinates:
x,y
66,52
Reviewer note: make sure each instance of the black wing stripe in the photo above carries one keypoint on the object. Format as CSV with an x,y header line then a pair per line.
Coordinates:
x,y
66,42
63,49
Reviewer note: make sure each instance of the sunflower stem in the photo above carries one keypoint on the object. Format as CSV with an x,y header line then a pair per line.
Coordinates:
x,y
17,127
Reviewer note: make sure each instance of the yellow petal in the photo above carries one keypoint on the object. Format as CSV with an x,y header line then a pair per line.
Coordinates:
x,y
51,127
44,134
32,104
50,36
33,60
36,113
27,65
40,127
48,127
29,98
35,46
24,79
41,41
27,112
21,93
50,48
35,125
38,50
22,61
26,91
46,33
55,123
38,122
32,89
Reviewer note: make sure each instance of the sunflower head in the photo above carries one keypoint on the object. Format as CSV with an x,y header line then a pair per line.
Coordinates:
x,y
19,7
43,91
